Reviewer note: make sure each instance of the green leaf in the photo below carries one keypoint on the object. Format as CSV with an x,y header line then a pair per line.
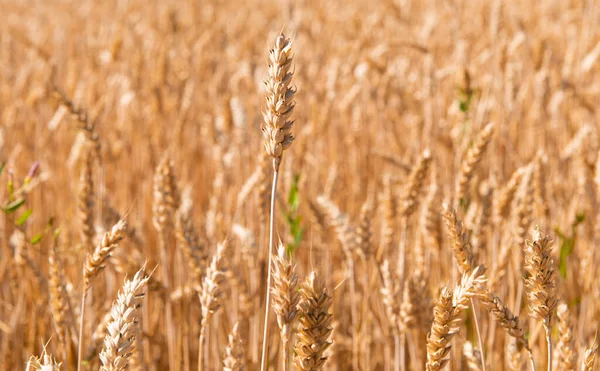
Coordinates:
x,y
2,165
23,218
37,238
13,206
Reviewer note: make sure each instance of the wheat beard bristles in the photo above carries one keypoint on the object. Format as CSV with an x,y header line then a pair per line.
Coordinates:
x,y
121,330
277,127
315,325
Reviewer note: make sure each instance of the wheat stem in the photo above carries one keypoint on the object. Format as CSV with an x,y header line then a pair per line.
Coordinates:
x,y
81,312
479,338
263,362
549,341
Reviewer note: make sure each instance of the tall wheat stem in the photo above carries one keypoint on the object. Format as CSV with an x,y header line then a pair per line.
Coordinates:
x,y
80,342
479,338
263,362
549,341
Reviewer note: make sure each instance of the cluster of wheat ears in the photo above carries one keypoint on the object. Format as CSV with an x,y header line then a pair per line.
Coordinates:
x,y
395,186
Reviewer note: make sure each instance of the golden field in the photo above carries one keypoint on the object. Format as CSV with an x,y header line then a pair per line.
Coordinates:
x,y
389,185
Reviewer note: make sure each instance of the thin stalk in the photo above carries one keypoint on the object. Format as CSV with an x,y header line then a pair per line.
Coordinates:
x,y
397,352
285,354
263,362
402,251
353,311
403,352
549,341
80,342
171,335
531,361
201,348
479,338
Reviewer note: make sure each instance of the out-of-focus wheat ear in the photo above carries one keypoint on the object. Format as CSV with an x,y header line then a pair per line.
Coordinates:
x,y
188,240
484,219
43,363
539,186
277,125
505,196
234,359
59,301
463,252
390,292
524,212
541,283
95,262
364,232
469,163
86,201
264,188
121,330
211,296
346,233
473,356
166,195
567,356
589,357
389,218
410,197
285,297
315,325
513,356
431,220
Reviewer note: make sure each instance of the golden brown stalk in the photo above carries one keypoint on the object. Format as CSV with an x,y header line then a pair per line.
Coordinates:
x,y
264,189
447,318
277,131
541,285
85,198
277,126
463,252
410,198
567,357
589,357
285,297
119,340
315,325
234,353
473,357
473,157
211,296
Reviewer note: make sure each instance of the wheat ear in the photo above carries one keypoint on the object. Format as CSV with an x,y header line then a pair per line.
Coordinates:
x,y
121,330
473,357
447,317
567,358
589,357
42,363
315,325
277,131
234,353
93,265
211,296
473,157
541,285
285,297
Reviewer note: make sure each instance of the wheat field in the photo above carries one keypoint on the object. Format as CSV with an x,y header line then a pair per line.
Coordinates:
x,y
299,185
